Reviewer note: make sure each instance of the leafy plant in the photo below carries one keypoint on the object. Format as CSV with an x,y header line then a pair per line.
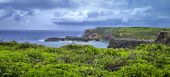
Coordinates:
x,y
30,60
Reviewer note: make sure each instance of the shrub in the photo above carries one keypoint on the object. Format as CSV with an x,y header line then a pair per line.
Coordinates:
x,y
29,60
13,69
28,45
141,70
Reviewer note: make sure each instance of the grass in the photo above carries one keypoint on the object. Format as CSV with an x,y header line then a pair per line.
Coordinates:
x,y
146,33
30,60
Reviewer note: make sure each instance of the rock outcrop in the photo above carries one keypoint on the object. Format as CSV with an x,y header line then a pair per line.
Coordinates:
x,y
74,38
91,34
54,39
163,38
126,43
69,38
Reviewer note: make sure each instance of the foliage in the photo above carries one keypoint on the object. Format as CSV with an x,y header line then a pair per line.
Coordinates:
x,y
30,60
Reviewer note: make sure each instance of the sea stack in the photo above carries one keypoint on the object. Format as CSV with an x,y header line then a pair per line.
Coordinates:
x,y
91,34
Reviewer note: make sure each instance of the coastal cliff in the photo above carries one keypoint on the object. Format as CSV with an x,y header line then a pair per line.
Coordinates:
x,y
91,34
126,43
122,37
163,38
140,33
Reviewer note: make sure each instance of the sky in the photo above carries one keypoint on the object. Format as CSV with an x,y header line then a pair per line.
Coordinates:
x,y
82,14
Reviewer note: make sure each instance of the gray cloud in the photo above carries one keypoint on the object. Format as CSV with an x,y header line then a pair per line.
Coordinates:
x,y
159,6
91,23
36,4
85,12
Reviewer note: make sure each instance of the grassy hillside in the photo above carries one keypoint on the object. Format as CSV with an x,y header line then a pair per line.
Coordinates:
x,y
28,60
131,32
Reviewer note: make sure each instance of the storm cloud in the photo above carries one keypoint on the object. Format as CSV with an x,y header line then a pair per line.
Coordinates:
x,y
58,14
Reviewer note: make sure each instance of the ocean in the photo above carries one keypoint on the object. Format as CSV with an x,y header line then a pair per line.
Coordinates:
x,y
38,37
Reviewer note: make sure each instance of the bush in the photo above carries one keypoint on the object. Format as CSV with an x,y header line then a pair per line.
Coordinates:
x,y
13,69
141,70
30,60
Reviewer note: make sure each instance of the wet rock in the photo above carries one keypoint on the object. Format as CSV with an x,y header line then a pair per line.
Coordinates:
x,y
89,35
68,38
74,38
53,39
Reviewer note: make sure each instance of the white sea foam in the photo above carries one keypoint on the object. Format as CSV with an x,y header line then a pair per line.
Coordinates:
x,y
41,40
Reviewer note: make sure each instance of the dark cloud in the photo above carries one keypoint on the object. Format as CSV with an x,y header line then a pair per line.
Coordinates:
x,y
22,14
154,13
36,4
119,22
91,23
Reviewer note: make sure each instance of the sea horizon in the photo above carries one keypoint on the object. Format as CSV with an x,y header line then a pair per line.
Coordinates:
x,y
38,37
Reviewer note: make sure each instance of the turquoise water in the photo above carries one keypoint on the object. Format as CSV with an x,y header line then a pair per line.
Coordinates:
x,y
38,37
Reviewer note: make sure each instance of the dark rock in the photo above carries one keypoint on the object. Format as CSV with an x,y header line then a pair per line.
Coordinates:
x,y
97,39
126,43
91,34
62,39
107,35
74,38
86,40
53,39
68,38
163,38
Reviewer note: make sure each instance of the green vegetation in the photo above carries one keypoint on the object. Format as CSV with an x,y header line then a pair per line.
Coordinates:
x,y
29,60
131,32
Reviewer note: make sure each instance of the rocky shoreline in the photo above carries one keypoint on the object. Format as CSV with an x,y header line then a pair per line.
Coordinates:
x,y
91,34
70,38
